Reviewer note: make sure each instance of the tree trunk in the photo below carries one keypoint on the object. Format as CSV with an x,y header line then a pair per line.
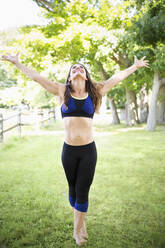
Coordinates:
x,y
151,121
161,106
143,106
115,117
131,108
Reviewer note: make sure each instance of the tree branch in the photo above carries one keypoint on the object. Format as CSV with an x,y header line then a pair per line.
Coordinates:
x,y
121,60
45,4
48,5
101,70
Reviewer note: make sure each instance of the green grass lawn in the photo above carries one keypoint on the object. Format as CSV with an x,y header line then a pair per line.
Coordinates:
x,y
126,200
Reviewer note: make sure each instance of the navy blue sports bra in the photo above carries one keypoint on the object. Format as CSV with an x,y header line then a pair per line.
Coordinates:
x,y
78,107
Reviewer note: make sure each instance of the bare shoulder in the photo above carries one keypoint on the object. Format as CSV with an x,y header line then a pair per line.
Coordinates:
x,y
61,88
106,85
51,86
100,87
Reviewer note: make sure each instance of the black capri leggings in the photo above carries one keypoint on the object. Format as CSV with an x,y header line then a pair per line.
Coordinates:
x,y
79,164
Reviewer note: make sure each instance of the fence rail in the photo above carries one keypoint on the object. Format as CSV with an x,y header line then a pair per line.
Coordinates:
x,y
39,118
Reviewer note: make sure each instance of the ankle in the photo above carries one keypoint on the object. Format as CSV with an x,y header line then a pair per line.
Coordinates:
x,y
77,232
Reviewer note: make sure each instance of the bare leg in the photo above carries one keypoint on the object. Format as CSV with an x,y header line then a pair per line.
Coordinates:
x,y
79,218
83,230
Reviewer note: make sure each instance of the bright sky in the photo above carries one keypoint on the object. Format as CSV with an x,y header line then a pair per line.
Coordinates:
x,y
16,13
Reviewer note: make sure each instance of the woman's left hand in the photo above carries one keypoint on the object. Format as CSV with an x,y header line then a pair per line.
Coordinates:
x,y
141,62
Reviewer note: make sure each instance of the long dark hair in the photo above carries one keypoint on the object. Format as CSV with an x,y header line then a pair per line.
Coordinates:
x,y
90,87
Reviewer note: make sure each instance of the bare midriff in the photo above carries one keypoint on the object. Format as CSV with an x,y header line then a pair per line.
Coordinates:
x,y
78,130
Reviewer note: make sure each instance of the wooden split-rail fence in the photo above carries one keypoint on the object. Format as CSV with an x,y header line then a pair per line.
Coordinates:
x,y
39,118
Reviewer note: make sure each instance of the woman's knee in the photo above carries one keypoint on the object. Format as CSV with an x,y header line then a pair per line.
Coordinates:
x,y
82,194
72,191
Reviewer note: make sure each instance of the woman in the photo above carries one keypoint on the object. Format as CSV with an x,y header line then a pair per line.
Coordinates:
x,y
80,98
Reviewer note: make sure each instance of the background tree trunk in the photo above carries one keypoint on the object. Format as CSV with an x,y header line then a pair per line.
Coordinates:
x,y
161,106
131,108
151,120
143,106
115,117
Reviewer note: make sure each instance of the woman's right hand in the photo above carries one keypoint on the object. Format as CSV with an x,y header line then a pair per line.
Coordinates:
x,y
10,58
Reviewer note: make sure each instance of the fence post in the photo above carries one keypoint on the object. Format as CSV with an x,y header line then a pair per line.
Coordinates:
x,y
49,113
54,114
42,117
19,122
1,128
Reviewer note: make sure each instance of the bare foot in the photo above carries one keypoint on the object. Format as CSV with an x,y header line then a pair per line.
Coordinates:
x,y
84,232
79,239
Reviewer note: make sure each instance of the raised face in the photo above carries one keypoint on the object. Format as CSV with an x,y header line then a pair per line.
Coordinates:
x,y
77,70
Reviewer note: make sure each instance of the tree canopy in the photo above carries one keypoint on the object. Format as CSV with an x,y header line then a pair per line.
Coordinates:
x,y
104,35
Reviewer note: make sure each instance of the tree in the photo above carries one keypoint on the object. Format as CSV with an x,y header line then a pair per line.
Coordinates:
x,y
161,105
83,41
150,33
91,32
15,87
6,80
7,77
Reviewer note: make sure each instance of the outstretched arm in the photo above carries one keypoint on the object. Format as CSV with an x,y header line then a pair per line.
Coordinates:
x,y
52,87
121,75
